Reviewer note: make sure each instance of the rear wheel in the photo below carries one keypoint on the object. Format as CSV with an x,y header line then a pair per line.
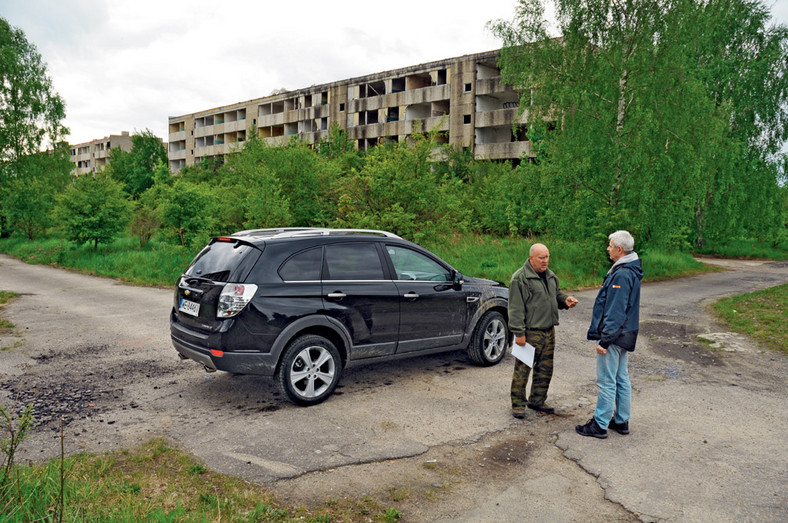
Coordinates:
x,y
489,341
310,370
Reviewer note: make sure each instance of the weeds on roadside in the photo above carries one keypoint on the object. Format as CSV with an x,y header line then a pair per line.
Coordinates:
x,y
759,314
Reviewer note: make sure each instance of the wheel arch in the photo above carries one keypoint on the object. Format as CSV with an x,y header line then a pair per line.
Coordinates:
x,y
324,326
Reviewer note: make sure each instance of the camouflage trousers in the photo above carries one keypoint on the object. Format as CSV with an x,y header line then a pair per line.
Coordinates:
x,y
544,345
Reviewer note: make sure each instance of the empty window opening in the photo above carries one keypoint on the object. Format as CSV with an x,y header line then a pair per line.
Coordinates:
x,y
418,112
466,119
341,107
467,88
485,70
520,133
372,89
441,77
398,85
418,81
324,124
393,114
440,108
324,98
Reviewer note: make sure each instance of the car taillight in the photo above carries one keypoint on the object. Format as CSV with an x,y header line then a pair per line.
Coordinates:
x,y
234,298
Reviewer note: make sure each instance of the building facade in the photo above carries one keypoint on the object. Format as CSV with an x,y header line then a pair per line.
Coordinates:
x,y
463,98
92,157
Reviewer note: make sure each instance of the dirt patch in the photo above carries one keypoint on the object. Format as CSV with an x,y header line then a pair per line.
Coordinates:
x,y
689,352
679,341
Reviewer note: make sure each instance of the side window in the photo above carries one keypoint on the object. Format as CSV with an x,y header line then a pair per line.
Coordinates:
x,y
304,266
353,261
412,265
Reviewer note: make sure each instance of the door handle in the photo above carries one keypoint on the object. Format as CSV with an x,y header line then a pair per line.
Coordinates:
x,y
411,296
337,295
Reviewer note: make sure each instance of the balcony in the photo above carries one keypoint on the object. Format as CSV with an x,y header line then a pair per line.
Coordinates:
x,y
177,137
500,117
502,151
177,155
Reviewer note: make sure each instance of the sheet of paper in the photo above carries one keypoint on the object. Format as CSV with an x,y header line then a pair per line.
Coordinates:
x,y
524,353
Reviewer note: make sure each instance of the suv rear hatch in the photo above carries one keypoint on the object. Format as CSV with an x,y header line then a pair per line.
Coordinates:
x,y
212,289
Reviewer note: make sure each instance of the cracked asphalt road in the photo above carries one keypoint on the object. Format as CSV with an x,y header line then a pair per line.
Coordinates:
x,y
707,442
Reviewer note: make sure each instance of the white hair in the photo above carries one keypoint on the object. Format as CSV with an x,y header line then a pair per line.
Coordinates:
x,y
624,240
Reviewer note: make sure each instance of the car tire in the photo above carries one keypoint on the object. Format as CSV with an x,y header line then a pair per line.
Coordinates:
x,y
489,340
310,370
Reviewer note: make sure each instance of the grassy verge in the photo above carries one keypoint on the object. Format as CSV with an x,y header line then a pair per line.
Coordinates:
x,y
5,297
155,482
746,249
760,314
578,265
156,264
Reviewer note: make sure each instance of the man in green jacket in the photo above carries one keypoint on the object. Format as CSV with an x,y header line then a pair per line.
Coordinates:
x,y
534,300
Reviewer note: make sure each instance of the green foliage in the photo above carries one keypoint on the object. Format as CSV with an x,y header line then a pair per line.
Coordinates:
x,y
250,195
29,197
31,113
644,116
302,179
92,209
398,190
138,168
186,213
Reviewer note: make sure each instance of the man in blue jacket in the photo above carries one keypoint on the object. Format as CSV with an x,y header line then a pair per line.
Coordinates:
x,y
614,323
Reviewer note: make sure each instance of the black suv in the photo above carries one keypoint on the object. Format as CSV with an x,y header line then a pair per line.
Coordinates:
x,y
301,304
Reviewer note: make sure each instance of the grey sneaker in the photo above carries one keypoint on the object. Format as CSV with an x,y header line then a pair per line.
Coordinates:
x,y
621,428
592,429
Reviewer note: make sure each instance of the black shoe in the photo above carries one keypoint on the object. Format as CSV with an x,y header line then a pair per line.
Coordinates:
x,y
621,428
518,413
543,409
592,429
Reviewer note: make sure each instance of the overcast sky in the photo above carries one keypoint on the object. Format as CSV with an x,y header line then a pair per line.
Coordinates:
x,y
129,65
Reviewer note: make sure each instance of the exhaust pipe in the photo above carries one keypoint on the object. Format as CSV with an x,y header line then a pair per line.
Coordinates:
x,y
209,369
181,356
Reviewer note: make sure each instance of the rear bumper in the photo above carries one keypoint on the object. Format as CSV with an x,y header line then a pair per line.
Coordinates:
x,y
197,347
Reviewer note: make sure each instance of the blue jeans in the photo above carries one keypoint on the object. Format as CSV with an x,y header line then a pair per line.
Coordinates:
x,y
615,390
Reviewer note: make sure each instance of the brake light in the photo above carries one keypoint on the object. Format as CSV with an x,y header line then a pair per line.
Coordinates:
x,y
217,353
234,298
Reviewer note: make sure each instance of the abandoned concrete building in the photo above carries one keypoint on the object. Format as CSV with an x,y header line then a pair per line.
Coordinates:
x,y
92,156
463,98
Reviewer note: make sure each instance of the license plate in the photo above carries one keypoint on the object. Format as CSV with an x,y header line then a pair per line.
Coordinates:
x,y
189,307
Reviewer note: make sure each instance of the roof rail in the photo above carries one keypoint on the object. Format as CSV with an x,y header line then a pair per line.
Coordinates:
x,y
295,232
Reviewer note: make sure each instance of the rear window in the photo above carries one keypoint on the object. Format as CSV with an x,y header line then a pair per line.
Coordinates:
x,y
304,266
223,261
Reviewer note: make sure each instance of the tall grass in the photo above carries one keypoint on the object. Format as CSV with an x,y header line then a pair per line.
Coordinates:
x,y
742,248
157,264
760,314
153,482
577,265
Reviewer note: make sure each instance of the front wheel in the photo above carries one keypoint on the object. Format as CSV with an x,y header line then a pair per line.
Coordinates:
x,y
489,341
310,370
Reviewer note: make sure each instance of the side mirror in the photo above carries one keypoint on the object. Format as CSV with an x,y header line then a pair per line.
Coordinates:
x,y
457,280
